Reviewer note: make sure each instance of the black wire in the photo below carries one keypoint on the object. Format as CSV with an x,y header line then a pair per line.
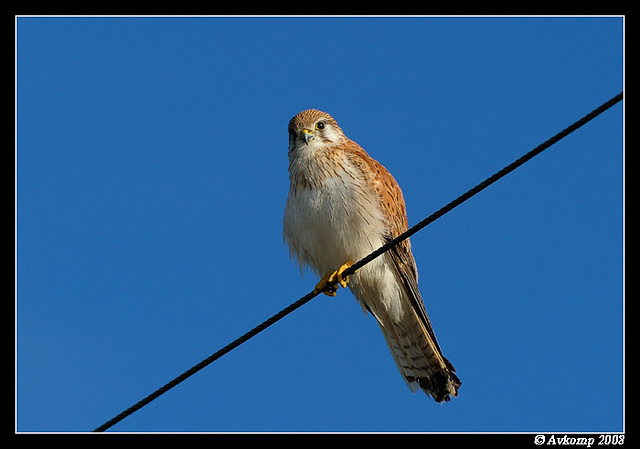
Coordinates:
x,y
483,185
351,270
212,358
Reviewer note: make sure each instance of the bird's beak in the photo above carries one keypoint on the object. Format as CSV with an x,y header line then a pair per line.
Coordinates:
x,y
307,135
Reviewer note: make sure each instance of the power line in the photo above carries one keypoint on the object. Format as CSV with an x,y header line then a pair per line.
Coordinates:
x,y
483,185
352,269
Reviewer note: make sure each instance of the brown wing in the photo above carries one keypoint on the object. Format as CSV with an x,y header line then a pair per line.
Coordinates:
x,y
412,342
440,380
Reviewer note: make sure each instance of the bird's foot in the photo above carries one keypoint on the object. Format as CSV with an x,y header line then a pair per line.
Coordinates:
x,y
330,281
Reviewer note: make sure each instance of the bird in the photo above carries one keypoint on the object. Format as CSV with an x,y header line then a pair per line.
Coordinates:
x,y
342,205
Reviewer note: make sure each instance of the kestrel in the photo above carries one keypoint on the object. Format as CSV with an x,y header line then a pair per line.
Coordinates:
x,y
342,205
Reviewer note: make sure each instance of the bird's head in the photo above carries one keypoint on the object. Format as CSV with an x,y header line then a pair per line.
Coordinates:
x,y
313,129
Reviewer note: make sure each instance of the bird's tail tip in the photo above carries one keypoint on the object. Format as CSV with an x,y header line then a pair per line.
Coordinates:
x,y
442,385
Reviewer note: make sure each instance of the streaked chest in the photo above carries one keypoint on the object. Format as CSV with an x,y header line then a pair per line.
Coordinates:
x,y
332,215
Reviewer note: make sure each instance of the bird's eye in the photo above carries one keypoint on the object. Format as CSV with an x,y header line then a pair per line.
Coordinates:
x,y
320,125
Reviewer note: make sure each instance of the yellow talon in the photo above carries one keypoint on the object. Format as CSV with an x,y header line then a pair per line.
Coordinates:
x,y
338,275
327,284
322,286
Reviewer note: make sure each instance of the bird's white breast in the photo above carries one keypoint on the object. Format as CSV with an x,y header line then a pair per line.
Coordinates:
x,y
332,217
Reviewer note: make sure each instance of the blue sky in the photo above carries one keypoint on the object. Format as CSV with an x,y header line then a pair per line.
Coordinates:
x,y
151,183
